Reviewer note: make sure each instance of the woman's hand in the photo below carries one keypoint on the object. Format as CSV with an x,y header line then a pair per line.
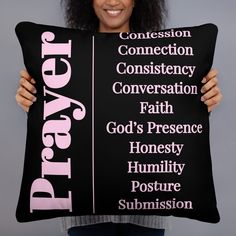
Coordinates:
x,y
212,94
25,94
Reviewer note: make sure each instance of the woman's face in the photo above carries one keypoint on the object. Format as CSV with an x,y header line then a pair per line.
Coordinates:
x,y
113,15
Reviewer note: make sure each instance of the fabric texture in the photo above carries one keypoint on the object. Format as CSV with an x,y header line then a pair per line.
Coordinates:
x,y
149,221
118,127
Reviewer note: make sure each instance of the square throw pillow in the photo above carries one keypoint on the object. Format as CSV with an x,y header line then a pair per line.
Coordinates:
x,y
118,126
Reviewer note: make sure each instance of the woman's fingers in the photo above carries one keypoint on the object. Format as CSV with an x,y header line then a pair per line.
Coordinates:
x,y
211,92
23,102
27,85
25,94
209,84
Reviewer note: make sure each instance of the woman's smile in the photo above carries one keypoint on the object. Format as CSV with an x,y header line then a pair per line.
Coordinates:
x,y
113,15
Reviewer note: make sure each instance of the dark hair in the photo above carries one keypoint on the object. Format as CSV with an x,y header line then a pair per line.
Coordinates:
x,y
148,15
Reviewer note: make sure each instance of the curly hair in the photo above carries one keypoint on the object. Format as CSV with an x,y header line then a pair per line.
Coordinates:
x,y
147,16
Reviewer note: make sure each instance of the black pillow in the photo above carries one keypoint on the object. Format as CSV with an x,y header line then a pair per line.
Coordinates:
x,y
118,126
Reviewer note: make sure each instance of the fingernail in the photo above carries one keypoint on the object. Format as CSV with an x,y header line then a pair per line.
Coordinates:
x,y
202,90
34,99
202,99
204,80
32,81
34,91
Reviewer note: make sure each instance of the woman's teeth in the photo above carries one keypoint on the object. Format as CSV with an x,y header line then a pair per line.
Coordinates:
x,y
113,12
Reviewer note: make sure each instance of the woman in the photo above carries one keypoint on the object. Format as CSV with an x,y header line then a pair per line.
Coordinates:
x,y
116,16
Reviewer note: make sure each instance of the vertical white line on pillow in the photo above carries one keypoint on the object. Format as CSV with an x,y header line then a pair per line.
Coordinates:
x,y
93,154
